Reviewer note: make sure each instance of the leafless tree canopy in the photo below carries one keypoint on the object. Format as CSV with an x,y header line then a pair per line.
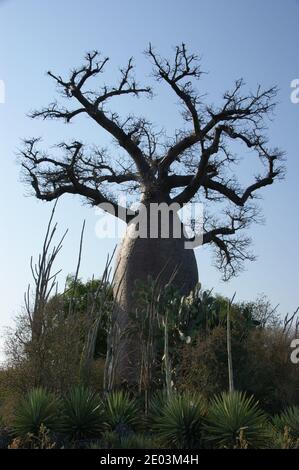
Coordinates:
x,y
197,161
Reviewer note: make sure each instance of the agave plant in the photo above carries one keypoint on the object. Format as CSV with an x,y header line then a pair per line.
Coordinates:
x,y
39,408
235,417
156,405
122,413
288,419
82,413
179,425
282,440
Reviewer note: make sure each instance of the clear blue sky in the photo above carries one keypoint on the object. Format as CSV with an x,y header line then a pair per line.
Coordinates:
x,y
254,39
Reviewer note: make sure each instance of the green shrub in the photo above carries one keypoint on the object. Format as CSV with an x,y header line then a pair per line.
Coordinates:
x,y
180,423
82,413
39,408
121,411
156,406
282,440
288,419
235,420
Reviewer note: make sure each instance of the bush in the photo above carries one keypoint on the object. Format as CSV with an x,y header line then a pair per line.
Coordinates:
x,y
203,365
261,363
39,408
122,413
44,439
282,440
156,405
288,419
82,413
180,423
235,421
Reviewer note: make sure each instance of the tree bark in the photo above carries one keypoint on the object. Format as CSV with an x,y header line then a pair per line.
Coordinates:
x,y
138,259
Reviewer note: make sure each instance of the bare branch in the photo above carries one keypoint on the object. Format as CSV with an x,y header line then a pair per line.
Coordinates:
x,y
199,176
185,66
71,307
44,279
92,103
231,248
248,110
54,112
51,178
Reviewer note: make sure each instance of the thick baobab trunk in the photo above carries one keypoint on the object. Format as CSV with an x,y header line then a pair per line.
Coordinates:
x,y
138,258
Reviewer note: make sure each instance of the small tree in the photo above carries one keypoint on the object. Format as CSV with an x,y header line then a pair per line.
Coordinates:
x,y
198,161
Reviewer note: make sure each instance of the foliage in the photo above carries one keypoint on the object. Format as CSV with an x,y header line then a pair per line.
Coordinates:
x,y
93,295
53,362
181,421
261,360
197,350
122,413
203,364
56,361
282,440
233,419
267,370
82,413
197,318
288,419
44,439
157,404
109,440
38,408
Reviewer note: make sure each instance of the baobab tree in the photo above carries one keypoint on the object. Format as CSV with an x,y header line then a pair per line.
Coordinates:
x,y
196,163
